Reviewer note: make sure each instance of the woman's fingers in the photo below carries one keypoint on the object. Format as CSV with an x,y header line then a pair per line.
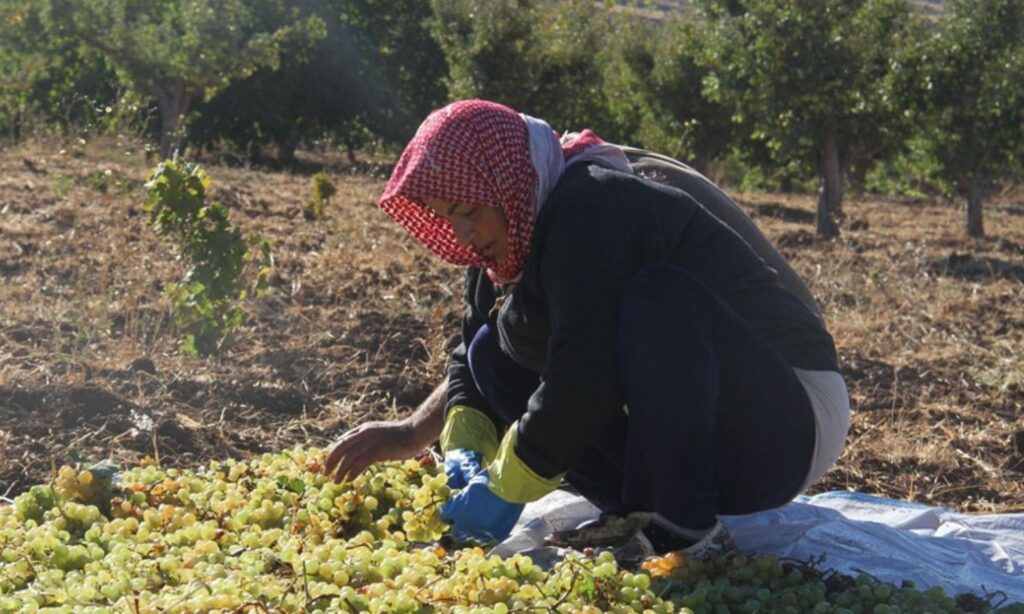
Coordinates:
x,y
345,446
364,445
353,463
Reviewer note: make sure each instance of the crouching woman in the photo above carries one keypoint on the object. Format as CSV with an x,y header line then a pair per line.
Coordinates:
x,y
643,343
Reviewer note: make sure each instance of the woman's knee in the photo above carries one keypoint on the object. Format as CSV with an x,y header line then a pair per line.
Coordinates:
x,y
481,348
506,385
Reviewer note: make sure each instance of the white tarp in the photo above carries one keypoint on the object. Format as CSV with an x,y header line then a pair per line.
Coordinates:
x,y
888,539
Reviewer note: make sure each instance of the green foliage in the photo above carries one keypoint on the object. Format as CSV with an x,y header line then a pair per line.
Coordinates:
x,y
178,50
321,191
766,89
800,70
660,82
974,93
571,93
401,61
914,173
976,85
539,58
49,81
491,47
629,61
104,181
61,184
206,301
811,78
99,181
374,75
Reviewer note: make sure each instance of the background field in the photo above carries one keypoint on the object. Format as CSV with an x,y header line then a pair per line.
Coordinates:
x,y
359,321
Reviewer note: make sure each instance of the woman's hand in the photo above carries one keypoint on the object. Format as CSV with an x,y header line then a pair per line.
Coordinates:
x,y
477,513
380,440
461,466
369,443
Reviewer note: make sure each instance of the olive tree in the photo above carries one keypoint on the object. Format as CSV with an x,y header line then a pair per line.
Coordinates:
x,y
975,95
658,78
810,77
47,80
180,50
375,75
540,58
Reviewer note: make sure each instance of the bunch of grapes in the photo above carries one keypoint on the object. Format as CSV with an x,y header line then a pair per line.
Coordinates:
x,y
738,583
275,535
34,503
75,485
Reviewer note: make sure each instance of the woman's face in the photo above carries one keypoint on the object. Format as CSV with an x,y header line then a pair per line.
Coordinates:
x,y
483,228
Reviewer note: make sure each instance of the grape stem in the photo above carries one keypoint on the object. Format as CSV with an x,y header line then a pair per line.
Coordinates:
x,y
431,504
305,583
188,595
289,457
428,585
989,597
251,604
671,586
873,577
156,448
811,564
59,503
31,567
568,591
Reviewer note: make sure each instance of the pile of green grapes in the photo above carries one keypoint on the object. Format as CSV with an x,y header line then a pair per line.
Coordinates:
x,y
275,535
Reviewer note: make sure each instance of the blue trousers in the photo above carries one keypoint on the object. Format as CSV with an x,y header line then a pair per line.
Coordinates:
x,y
717,421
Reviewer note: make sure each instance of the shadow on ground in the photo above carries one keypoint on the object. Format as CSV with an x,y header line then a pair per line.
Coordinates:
x,y
971,268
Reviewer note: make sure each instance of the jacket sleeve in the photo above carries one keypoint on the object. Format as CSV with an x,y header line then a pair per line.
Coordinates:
x,y
462,390
585,264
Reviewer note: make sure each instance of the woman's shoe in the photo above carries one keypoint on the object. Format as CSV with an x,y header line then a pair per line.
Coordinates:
x,y
608,530
655,539
640,535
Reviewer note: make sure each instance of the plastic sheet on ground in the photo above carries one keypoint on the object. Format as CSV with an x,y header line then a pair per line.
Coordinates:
x,y
890,540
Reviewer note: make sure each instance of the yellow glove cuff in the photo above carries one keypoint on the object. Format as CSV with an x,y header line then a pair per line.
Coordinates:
x,y
512,479
465,427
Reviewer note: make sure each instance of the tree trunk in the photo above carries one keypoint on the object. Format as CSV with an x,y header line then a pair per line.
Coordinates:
x,y
286,149
173,102
15,126
830,197
975,192
702,163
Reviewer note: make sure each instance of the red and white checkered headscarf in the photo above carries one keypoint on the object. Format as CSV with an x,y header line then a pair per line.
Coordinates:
x,y
472,152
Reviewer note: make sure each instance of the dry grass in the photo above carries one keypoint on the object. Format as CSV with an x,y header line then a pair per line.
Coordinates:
x,y
930,330
355,323
359,319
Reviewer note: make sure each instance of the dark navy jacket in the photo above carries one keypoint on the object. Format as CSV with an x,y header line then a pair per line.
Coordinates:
x,y
596,229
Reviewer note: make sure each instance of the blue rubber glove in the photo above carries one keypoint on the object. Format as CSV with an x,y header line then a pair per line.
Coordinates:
x,y
461,465
477,514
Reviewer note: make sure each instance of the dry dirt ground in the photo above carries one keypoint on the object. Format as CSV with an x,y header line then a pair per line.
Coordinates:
x,y
359,321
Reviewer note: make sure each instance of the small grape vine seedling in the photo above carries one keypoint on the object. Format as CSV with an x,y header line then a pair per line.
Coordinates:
x,y
206,302
321,192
